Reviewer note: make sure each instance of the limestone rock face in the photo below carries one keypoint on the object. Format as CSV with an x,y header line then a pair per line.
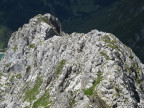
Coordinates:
x,y
44,67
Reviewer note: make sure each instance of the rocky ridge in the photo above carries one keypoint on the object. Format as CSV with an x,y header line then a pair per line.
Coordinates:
x,y
45,67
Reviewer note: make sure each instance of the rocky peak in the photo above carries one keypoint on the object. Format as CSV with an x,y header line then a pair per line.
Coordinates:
x,y
44,67
39,28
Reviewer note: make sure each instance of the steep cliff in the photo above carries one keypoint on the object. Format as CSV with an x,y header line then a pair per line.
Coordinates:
x,y
44,67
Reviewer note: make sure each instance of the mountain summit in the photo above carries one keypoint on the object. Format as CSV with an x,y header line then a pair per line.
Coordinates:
x,y
44,67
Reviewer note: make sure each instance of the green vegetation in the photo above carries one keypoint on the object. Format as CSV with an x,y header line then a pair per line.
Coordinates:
x,y
20,28
7,65
142,87
38,15
72,103
119,56
136,67
131,57
113,46
1,74
137,70
90,91
117,90
128,68
26,85
60,66
32,45
15,48
44,19
138,81
43,101
105,55
28,69
111,43
19,76
12,78
106,39
30,94
27,107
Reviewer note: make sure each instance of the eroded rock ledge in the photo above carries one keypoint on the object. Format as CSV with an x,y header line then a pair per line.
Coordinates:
x,y
45,67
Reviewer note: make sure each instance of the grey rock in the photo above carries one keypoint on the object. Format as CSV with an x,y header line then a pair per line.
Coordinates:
x,y
45,67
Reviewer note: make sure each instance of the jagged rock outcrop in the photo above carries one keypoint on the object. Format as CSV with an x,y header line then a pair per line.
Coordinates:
x,y
45,67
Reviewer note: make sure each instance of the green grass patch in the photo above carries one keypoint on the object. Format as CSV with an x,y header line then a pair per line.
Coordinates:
x,y
7,65
137,70
12,78
28,69
117,90
72,103
90,91
30,94
19,76
2,74
105,55
27,107
113,46
128,68
60,66
32,45
39,15
15,48
136,67
44,19
106,39
138,81
43,101
111,43
131,57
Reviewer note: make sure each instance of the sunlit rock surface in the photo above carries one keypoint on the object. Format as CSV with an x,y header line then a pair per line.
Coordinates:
x,y
47,68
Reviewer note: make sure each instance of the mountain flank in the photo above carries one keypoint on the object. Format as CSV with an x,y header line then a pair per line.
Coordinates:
x,y
44,67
